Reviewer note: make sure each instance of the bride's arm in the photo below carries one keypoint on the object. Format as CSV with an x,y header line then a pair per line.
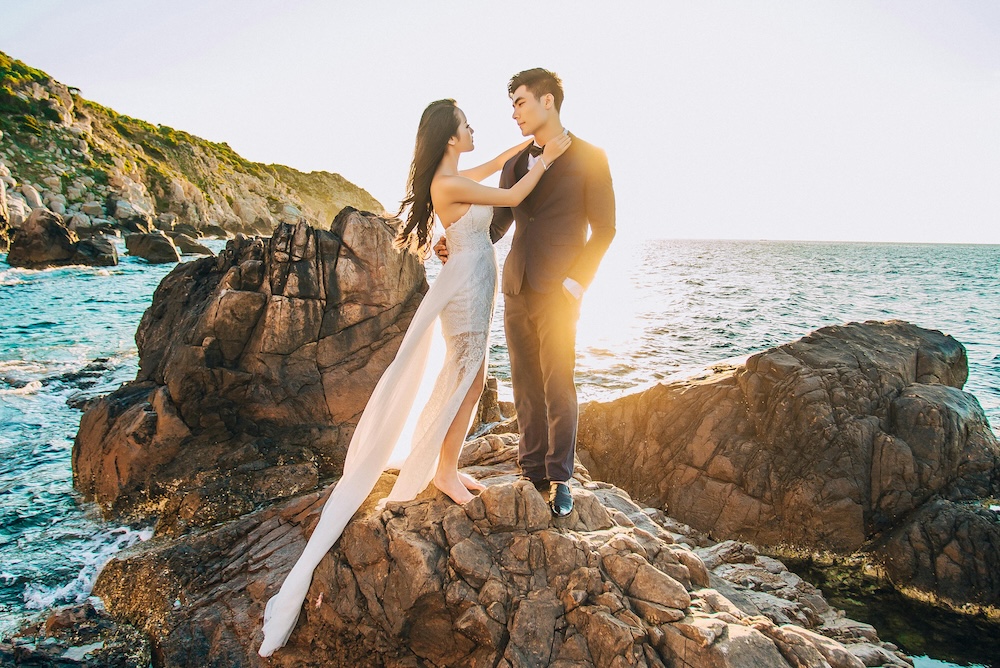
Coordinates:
x,y
493,166
465,190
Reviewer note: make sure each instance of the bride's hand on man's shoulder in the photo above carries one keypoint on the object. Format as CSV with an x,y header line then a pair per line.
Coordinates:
x,y
556,147
441,249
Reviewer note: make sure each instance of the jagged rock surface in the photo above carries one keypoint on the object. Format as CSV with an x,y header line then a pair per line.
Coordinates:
x,y
254,368
497,582
829,442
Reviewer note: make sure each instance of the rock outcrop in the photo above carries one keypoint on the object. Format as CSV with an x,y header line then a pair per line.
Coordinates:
x,y
187,245
842,440
497,582
155,248
74,156
254,368
43,241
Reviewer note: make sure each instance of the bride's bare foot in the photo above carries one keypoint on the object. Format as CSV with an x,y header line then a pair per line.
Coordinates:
x,y
453,488
471,483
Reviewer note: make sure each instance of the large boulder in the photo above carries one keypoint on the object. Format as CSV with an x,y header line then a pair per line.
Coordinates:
x,y
497,582
829,442
96,252
42,241
155,248
187,245
254,368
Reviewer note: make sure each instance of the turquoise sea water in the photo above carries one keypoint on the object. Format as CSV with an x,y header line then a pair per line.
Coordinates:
x,y
657,308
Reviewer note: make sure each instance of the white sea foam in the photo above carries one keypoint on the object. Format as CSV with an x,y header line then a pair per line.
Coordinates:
x,y
31,388
101,549
21,367
11,277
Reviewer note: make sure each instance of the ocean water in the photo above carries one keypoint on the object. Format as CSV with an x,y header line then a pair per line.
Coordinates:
x,y
657,309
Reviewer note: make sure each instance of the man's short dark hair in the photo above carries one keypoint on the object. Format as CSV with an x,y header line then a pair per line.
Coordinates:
x,y
540,82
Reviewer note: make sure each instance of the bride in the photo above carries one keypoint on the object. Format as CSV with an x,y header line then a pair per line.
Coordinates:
x,y
460,303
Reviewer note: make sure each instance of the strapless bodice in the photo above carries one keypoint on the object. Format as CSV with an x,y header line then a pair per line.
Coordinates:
x,y
471,232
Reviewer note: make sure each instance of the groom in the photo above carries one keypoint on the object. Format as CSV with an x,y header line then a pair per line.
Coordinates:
x,y
550,265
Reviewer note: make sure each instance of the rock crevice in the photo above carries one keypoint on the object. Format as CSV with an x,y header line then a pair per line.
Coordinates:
x,y
254,366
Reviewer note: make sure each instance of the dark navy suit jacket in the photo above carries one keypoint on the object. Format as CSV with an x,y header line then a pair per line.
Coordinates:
x,y
550,238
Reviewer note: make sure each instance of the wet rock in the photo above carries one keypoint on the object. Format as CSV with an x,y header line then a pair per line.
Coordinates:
x,y
254,368
952,549
154,248
79,635
833,442
166,222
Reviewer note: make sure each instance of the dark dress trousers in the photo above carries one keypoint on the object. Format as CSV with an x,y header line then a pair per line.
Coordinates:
x,y
551,244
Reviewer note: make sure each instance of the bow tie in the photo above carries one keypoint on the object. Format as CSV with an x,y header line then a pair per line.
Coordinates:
x,y
535,150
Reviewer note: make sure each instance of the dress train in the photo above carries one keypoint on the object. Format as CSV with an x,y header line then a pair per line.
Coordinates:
x,y
458,300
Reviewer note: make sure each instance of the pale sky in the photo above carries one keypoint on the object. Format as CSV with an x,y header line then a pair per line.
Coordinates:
x,y
865,121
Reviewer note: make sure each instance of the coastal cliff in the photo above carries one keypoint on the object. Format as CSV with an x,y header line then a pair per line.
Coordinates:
x,y
103,171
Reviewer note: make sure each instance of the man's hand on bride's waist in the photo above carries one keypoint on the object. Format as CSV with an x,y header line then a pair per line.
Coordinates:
x,y
441,249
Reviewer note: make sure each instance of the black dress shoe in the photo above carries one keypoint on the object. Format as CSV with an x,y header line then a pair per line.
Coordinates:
x,y
542,486
560,499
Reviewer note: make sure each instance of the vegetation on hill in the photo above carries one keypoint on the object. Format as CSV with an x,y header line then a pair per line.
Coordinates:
x,y
76,152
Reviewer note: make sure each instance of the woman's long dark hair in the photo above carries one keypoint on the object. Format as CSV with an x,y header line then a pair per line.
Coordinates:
x,y
438,124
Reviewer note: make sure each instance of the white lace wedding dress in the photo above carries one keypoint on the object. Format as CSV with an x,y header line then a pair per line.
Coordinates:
x,y
460,305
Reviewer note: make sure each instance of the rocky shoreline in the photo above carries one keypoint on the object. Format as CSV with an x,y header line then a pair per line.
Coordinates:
x,y
254,366
99,173
496,582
